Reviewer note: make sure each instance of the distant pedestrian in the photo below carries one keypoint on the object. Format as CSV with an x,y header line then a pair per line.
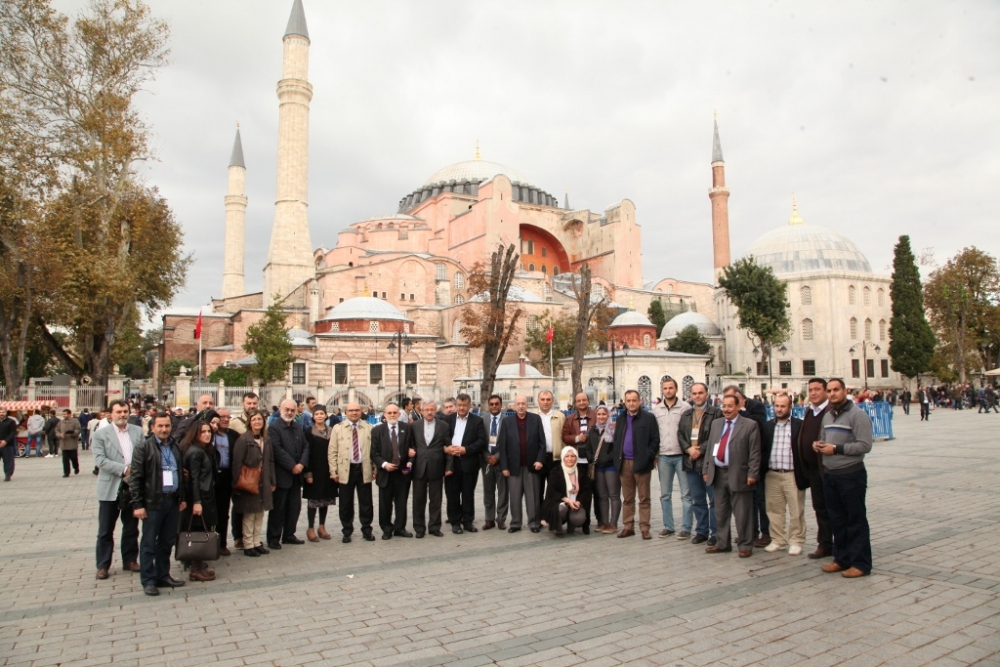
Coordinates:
x,y
36,422
50,434
8,443
68,431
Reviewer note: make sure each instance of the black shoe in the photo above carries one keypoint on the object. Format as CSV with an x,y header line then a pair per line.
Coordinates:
x,y
261,550
169,582
457,529
346,539
536,530
469,528
368,537
274,545
150,590
586,530
292,540
6,478
698,539
65,475
712,541
403,533
437,533
386,536
419,535
513,530
253,553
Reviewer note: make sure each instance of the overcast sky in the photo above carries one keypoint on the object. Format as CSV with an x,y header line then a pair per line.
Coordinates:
x,y
881,117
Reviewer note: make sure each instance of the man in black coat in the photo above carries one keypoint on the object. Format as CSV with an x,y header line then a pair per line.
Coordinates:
x,y
753,409
392,472
428,438
781,467
291,456
637,446
467,438
521,445
8,443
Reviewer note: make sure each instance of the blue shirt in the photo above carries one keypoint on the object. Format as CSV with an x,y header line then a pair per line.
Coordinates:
x,y
168,462
222,446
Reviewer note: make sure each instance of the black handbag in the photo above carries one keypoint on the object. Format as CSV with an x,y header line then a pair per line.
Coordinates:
x,y
124,497
201,545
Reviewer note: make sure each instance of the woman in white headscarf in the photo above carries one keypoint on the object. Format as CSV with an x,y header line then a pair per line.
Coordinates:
x,y
567,494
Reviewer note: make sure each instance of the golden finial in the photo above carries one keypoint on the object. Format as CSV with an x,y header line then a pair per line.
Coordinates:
x,y
796,219
478,156
631,302
237,125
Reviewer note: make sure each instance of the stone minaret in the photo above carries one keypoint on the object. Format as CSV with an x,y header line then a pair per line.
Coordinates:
x,y
236,216
290,256
719,195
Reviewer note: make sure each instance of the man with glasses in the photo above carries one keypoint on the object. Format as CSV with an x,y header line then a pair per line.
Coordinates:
x,y
495,498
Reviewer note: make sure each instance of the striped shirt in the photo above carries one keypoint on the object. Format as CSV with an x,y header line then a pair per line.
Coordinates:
x,y
125,442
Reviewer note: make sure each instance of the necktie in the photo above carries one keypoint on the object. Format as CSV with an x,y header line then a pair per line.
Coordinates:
x,y
356,451
493,427
395,446
724,441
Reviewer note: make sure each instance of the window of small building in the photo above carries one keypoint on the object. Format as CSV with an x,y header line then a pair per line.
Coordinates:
x,y
298,373
784,368
340,373
374,373
410,373
809,367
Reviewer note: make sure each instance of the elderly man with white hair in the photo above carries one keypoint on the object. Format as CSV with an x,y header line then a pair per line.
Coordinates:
x,y
291,456
522,453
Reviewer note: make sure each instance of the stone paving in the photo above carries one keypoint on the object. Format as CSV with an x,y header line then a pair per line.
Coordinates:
x,y
490,598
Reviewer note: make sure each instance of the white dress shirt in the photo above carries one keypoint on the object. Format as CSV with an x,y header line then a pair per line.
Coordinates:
x,y
547,428
460,425
724,462
429,430
493,430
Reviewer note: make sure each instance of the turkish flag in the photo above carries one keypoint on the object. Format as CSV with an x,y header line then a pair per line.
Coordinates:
x,y
548,335
197,327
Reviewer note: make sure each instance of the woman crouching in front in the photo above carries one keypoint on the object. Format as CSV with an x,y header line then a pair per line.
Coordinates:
x,y
566,495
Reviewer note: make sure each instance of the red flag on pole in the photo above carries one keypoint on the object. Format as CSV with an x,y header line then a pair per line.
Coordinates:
x,y
197,328
548,336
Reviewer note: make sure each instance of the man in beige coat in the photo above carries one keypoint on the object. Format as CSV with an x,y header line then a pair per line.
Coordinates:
x,y
350,459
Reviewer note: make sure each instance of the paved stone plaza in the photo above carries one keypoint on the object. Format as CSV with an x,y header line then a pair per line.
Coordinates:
x,y
491,598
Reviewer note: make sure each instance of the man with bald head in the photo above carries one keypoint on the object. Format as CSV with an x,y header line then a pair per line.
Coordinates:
x,y
205,403
522,454
291,457
574,434
350,456
426,448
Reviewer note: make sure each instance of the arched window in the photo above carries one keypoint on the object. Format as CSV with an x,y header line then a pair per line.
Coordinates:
x,y
881,330
854,329
852,295
531,267
459,299
867,292
456,332
646,390
555,270
687,383
646,340
442,272
806,295
807,329
545,251
881,298
545,269
532,322
459,281
868,329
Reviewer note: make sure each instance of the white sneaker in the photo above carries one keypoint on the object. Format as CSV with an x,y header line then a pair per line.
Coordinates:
x,y
795,550
772,547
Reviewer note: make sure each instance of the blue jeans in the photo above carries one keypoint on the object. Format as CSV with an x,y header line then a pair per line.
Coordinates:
x,y
845,503
159,534
702,504
668,467
38,439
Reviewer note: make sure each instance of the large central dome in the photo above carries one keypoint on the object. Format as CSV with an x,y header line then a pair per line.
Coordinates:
x,y
476,171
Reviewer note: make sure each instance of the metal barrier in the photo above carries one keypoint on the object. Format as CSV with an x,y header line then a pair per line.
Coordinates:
x,y
880,413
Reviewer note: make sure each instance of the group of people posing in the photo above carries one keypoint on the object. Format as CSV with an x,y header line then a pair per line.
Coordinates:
x,y
544,469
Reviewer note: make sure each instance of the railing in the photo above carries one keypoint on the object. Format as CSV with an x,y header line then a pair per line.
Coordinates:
x,y
91,398
880,413
49,393
199,390
233,397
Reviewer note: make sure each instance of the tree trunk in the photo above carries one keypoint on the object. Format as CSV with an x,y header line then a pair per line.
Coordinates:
x,y
584,315
503,265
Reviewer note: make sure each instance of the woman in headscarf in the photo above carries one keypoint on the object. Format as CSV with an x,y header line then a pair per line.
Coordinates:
x,y
319,490
607,485
566,495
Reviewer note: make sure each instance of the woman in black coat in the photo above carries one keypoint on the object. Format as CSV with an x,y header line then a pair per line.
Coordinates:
x,y
567,494
199,468
319,490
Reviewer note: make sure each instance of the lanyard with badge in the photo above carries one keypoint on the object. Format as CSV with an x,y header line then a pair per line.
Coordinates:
x,y
169,465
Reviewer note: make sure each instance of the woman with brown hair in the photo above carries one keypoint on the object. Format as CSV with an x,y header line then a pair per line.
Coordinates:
x,y
319,490
253,450
199,468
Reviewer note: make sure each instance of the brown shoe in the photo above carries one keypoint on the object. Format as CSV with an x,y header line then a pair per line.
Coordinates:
x,y
238,545
717,550
200,573
321,532
745,554
131,567
626,532
853,573
489,525
311,535
830,568
762,541
225,552
102,573
819,553
646,535
502,525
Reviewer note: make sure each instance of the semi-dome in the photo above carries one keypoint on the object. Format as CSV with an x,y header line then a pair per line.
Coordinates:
x,y
678,323
631,318
476,171
801,248
364,308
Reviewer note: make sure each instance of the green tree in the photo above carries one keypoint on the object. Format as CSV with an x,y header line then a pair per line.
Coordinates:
x,y
960,297
911,340
233,377
690,340
172,368
535,347
657,315
268,340
762,302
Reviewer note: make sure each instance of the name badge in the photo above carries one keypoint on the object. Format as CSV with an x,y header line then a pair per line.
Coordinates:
x,y
694,435
168,478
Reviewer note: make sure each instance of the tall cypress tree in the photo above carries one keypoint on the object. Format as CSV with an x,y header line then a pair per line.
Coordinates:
x,y
911,341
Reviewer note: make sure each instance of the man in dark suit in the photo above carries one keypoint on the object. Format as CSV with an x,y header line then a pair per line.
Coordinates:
x,y
757,411
637,445
428,438
495,497
811,464
291,456
732,466
392,464
521,444
781,467
467,438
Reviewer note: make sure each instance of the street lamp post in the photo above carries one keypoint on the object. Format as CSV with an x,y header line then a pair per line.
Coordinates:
x,y
864,358
404,341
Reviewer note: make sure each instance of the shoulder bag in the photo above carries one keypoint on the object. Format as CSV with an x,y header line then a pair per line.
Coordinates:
x,y
592,466
249,480
197,546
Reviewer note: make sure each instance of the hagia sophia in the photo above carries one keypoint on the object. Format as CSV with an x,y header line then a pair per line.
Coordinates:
x,y
401,278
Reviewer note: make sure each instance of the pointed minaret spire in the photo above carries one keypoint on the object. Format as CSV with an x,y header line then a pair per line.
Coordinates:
x,y
236,215
566,200
297,21
236,160
719,195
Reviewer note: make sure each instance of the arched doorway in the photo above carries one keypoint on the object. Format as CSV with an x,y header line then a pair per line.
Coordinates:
x,y
543,250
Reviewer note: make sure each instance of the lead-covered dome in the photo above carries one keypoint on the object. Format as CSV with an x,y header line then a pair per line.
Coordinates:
x,y
476,171
631,318
678,323
364,308
801,248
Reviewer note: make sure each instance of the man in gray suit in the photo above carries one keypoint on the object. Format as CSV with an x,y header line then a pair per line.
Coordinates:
x,y
427,440
732,467
113,445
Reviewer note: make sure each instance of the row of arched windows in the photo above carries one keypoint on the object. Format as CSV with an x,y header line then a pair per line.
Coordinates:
x,y
805,296
807,329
